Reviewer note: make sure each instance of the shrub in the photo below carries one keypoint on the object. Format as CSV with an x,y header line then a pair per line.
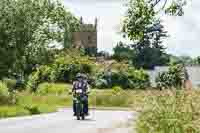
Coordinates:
x,y
11,83
50,88
4,94
126,78
173,113
173,78
33,110
63,69
33,81
117,89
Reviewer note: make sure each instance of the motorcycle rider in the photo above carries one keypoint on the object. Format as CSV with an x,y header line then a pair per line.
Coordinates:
x,y
81,83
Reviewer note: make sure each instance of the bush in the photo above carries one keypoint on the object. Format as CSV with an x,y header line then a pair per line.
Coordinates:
x,y
64,69
33,110
50,88
127,79
4,94
14,85
11,83
117,89
173,78
173,113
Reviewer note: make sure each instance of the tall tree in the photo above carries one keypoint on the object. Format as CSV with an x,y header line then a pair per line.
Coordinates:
x,y
149,51
145,29
27,27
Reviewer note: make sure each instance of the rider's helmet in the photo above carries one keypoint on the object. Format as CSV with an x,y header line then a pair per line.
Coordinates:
x,y
79,76
84,76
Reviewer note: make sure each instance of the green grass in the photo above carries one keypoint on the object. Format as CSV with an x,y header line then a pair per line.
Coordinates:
x,y
37,103
160,111
12,111
52,88
171,112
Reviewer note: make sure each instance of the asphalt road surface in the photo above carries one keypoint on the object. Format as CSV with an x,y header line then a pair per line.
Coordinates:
x,y
63,122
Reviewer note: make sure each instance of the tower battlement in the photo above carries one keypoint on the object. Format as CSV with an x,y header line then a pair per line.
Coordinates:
x,y
86,38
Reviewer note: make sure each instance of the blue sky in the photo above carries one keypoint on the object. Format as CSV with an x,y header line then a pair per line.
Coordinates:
x,y
184,31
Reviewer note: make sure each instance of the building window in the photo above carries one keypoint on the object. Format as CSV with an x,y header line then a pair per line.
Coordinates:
x,y
89,39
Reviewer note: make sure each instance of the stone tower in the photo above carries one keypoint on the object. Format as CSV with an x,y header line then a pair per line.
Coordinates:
x,y
86,38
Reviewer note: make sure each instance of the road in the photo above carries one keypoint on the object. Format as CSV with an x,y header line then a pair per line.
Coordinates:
x,y
63,122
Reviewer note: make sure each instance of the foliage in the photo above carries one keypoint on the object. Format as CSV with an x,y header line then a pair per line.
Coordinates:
x,y
4,94
104,54
122,52
184,59
90,51
173,78
149,52
27,27
11,83
174,7
117,89
14,85
175,112
63,69
139,15
33,110
125,78
144,28
50,88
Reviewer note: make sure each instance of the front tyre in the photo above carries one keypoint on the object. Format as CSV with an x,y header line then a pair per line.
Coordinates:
x,y
78,111
78,117
83,116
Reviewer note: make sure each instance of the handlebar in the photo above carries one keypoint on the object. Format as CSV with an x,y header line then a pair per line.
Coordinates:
x,y
70,93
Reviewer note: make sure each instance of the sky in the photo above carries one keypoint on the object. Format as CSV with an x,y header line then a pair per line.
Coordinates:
x,y
184,32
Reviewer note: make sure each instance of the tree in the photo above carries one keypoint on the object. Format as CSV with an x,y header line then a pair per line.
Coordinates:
x,y
149,52
145,29
186,60
122,52
174,7
140,14
198,60
26,29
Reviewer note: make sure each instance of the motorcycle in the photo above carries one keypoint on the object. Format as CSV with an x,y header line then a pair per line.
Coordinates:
x,y
79,98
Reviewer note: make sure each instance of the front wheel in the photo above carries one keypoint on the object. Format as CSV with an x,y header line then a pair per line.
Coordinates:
x,y
78,117
83,116
78,111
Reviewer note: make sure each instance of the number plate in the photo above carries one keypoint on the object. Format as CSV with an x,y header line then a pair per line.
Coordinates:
x,y
79,91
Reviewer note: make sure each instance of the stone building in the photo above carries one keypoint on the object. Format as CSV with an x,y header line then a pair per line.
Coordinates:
x,y
86,38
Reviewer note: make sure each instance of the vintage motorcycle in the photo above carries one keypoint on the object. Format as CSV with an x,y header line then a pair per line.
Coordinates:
x,y
80,97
